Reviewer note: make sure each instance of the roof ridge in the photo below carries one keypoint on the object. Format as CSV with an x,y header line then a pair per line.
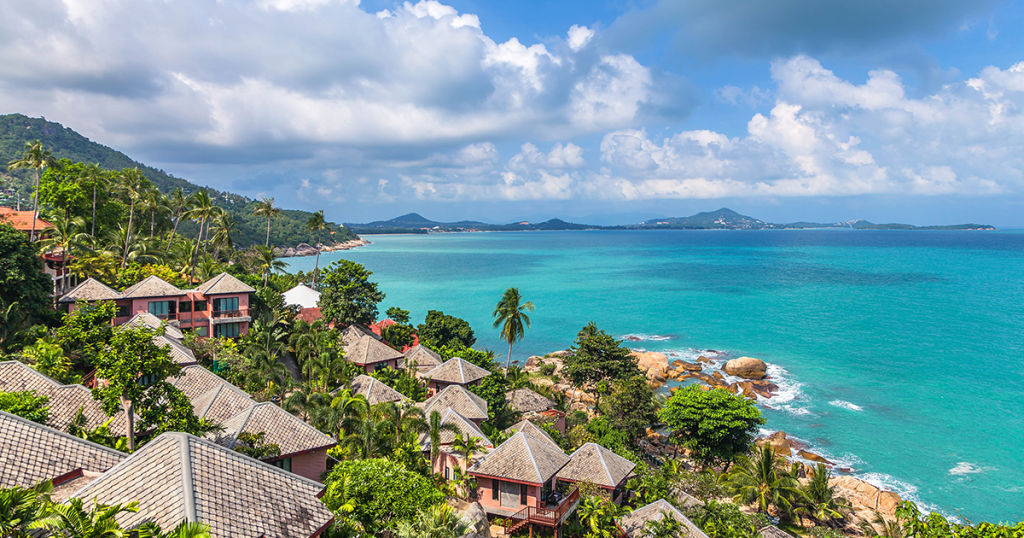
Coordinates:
x,y
248,414
529,452
49,429
188,493
600,454
462,373
253,461
209,404
37,373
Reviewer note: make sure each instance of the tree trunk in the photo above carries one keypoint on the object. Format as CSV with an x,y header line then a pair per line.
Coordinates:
x,y
195,252
35,209
94,182
177,219
316,267
508,360
129,408
268,231
128,235
152,219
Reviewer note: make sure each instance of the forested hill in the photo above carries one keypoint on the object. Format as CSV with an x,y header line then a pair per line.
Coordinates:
x,y
65,143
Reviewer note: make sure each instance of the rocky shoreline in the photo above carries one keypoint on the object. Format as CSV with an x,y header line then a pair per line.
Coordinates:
x,y
304,249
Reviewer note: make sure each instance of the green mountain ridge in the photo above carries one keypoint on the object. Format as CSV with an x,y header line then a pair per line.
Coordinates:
x,y
17,129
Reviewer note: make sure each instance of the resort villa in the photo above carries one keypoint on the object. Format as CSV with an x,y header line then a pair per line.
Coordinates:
x,y
455,397
373,390
423,358
371,354
597,465
452,372
217,307
536,406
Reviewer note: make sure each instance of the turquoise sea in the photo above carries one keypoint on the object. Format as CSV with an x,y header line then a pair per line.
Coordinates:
x,y
899,354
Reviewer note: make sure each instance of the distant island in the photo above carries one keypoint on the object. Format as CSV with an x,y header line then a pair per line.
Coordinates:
x,y
722,219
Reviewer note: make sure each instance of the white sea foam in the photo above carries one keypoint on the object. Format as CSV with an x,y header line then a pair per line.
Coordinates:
x,y
963,468
636,337
906,491
846,405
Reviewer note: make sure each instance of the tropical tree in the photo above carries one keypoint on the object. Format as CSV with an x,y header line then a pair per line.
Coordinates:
x,y
37,158
154,202
202,210
65,233
317,224
714,424
255,445
665,527
224,225
818,498
267,262
185,529
510,315
21,507
132,185
98,177
435,428
438,521
598,515
179,204
265,208
305,400
408,420
597,357
21,275
466,446
348,295
340,417
72,520
15,327
763,480
370,436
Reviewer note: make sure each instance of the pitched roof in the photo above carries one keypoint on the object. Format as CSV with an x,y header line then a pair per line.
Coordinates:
x,y
634,523
533,430
368,350
771,531
181,355
354,332
527,401
30,452
302,296
288,432
179,477
466,427
457,370
425,358
65,400
224,283
152,286
22,220
149,321
461,400
374,391
91,290
522,458
598,465
212,397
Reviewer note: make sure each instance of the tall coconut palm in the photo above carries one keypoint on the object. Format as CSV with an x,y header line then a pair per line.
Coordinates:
x,y
72,520
132,185
435,428
98,177
370,437
37,158
224,225
466,446
202,210
265,208
763,480
65,233
510,315
154,202
317,224
179,204
408,419
339,417
268,262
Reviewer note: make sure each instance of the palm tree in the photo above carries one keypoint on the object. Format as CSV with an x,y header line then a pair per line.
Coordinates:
x,y
434,430
185,529
202,210
37,158
516,377
304,401
21,507
340,416
317,225
762,480
154,202
466,447
510,315
265,208
818,499
132,185
370,436
267,262
64,234
408,419
438,521
94,173
598,515
179,204
224,225
72,520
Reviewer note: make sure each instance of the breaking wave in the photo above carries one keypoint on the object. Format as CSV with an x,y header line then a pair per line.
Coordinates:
x,y
846,405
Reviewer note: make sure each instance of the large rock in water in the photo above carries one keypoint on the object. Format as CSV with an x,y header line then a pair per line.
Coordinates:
x,y
747,368
652,363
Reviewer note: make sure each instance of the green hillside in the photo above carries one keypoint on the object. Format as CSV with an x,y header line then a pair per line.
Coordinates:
x,y
63,142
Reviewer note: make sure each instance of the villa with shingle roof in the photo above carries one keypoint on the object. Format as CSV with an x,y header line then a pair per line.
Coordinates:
x,y
454,371
449,459
354,332
423,357
635,523
218,307
535,406
303,448
372,354
30,453
596,464
373,390
65,400
461,400
518,474
533,430
179,477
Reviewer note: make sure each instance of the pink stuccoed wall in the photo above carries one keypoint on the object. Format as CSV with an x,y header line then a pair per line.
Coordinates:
x,y
310,465
485,487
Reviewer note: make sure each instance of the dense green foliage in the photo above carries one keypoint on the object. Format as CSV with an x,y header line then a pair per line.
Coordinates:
x,y
347,295
714,424
85,332
596,360
21,275
439,330
26,405
632,407
383,493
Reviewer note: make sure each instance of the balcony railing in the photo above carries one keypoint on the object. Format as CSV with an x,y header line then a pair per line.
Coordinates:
x,y
239,313
193,317
542,516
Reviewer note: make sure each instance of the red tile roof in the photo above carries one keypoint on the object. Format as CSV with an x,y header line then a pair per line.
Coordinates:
x,y
21,220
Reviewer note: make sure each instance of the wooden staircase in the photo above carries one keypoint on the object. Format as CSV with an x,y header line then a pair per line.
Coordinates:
x,y
542,516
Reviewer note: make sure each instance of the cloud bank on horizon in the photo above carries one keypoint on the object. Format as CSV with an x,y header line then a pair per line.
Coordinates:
x,y
330,102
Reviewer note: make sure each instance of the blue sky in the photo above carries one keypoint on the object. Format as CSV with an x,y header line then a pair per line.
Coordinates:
x,y
605,112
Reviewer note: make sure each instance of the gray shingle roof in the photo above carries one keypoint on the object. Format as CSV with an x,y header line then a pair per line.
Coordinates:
x,y
91,290
224,283
354,332
145,319
461,400
212,398
425,358
457,370
527,401
522,458
466,427
598,465
282,428
634,523
368,350
771,531
179,477
65,400
30,452
152,286
533,430
374,391
181,355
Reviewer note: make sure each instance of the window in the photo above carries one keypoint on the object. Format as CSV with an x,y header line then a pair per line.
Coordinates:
x,y
227,304
162,309
447,470
496,485
522,494
200,306
201,331
227,330
285,464
185,306
147,380
122,311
